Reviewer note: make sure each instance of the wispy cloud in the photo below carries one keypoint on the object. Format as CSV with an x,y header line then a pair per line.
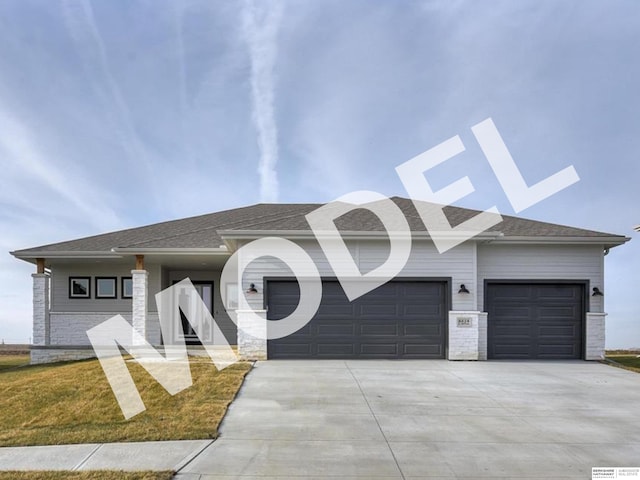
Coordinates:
x,y
260,24
19,148
80,21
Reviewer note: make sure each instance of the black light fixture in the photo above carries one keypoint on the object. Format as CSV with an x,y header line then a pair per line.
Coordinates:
x,y
597,292
252,288
463,289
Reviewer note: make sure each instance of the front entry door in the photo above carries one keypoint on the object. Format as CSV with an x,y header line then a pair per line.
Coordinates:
x,y
187,331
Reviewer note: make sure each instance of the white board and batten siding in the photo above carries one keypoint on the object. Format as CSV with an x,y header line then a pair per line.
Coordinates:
x,y
542,262
425,262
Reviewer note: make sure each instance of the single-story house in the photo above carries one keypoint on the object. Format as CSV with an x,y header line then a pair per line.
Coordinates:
x,y
523,289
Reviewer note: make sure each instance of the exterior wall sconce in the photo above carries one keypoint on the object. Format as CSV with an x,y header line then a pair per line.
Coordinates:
x,y
252,288
463,289
597,292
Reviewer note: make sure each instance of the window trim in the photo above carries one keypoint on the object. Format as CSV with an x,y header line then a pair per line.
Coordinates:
x,y
115,288
78,296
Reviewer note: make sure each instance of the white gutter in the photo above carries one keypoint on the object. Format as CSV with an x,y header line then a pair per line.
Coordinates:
x,y
222,250
613,241
64,254
121,253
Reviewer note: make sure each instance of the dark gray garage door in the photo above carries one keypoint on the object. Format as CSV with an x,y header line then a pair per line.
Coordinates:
x,y
401,319
535,321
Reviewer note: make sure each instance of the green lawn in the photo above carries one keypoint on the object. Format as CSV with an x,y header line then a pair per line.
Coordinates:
x,y
73,403
93,475
629,362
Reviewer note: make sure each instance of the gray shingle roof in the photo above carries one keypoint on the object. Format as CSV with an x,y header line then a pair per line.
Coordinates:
x,y
204,231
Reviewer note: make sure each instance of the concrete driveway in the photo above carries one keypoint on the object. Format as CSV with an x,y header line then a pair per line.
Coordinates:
x,y
426,419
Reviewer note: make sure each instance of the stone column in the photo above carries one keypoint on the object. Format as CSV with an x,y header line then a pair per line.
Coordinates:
x,y
139,302
595,340
482,335
40,308
252,334
467,335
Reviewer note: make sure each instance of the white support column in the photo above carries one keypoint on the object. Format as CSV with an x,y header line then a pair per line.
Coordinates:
x,y
140,300
467,335
595,341
40,308
252,334
482,335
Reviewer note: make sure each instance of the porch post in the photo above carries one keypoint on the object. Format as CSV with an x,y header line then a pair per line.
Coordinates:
x,y
40,305
139,279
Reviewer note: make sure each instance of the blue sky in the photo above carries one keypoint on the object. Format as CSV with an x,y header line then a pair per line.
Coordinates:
x,y
122,113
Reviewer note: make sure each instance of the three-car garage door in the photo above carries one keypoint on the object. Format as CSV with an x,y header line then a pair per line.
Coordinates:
x,y
535,321
400,319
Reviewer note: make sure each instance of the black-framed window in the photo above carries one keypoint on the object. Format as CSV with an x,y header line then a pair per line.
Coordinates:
x,y
106,287
79,287
126,287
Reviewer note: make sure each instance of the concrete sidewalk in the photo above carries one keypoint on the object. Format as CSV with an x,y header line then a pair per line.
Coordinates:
x,y
171,455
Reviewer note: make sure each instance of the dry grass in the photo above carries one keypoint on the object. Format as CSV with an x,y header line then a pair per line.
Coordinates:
x,y
12,361
92,475
73,403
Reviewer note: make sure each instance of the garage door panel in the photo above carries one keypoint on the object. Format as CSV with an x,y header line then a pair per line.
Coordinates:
x,y
422,310
419,290
282,311
512,352
551,293
379,349
335,349
556,351
420,350
522,330
378,310
532,321
512,293
303,349
423,330
339,329
513,311
400,318
339,311
560,312
379,329
552,332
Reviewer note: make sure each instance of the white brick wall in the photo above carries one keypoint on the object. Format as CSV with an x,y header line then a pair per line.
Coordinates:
x,y
595,336
252,335
70,328
39,356
465,342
